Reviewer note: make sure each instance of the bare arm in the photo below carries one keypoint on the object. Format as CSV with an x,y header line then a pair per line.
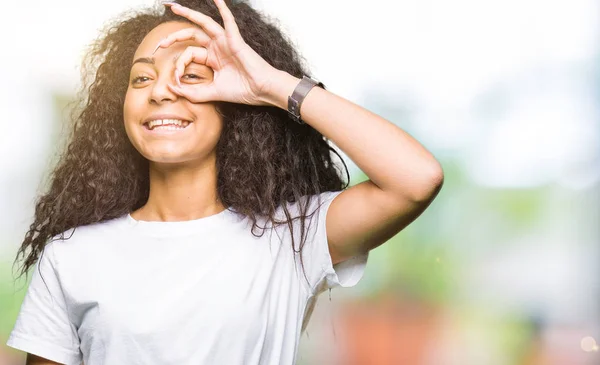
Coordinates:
x,y
36,360
404,177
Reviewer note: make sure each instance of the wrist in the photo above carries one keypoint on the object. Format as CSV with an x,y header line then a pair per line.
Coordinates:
x,y
281,86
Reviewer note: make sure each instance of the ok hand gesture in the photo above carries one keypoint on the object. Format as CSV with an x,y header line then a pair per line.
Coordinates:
x,y
240,74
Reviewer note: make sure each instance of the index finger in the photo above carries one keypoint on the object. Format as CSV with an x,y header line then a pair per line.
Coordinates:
x,y
193,34
227,15
210,26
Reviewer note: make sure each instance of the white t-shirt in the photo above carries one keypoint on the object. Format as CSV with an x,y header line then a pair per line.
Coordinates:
x,y
204,291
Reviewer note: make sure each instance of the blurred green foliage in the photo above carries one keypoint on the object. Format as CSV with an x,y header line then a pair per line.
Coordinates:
x,y
12,292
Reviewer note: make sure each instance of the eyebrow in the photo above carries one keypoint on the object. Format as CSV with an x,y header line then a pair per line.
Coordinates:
x,y
149,60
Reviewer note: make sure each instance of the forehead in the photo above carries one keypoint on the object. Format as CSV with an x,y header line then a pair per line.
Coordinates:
x,y
159,33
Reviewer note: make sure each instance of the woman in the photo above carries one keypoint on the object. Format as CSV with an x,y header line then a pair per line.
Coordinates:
x,y
198,175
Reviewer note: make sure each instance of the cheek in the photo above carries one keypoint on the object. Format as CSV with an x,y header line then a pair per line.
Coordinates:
x,y
216,123
128,106
210,110
130,115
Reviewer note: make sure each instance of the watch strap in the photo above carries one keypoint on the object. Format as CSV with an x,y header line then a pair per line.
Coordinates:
x,y
295,100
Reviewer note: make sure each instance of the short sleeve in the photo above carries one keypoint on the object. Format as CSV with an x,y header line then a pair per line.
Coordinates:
x,y
43,327
321,272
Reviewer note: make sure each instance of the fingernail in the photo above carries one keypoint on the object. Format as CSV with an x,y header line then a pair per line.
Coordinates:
x,y
157,47
169,3
175,89
177,78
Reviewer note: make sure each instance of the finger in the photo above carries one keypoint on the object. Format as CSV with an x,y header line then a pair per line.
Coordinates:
x,y
195,93
187,34
210,26
227,15
191,54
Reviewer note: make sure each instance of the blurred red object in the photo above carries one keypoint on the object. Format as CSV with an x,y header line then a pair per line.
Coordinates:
x,y
387,332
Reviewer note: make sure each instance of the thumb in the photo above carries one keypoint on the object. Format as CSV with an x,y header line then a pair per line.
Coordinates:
x,y
195,93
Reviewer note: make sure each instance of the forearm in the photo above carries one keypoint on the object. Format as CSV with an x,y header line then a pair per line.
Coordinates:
x,y
390,157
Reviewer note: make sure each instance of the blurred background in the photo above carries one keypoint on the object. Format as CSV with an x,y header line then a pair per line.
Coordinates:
x,y
504,266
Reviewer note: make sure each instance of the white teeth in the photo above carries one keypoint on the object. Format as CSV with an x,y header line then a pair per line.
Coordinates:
x,y
168,122
167,127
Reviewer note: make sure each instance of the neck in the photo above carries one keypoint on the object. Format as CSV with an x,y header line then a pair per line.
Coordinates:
x,y
181,193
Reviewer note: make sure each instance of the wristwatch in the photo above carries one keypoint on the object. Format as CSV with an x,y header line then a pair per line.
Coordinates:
x,y
297,97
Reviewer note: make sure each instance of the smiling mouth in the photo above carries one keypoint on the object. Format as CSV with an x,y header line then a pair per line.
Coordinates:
x,y
166,124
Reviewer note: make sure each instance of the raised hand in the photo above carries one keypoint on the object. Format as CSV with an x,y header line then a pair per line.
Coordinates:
x,y
240,74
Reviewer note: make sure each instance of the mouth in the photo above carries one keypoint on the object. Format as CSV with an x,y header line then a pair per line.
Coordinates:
x,y
166,124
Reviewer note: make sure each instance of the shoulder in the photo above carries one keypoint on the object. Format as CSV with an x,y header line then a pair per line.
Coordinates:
x,y
312,202
83,237
310,206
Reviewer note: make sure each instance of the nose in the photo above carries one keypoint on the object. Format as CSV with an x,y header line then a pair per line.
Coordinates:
x,y
160,93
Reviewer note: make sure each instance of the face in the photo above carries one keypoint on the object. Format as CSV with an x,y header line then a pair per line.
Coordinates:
x,y
149,99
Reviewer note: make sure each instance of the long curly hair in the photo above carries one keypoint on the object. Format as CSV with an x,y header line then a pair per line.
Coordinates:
x,y
264,158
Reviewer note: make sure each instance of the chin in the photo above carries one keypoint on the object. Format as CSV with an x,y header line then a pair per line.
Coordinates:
x,y
174,158
166,159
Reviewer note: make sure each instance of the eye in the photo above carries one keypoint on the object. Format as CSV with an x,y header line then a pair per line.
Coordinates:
x,y
139,79
189,76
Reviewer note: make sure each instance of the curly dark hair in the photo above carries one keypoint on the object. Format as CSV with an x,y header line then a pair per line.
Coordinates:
x,y
264,158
